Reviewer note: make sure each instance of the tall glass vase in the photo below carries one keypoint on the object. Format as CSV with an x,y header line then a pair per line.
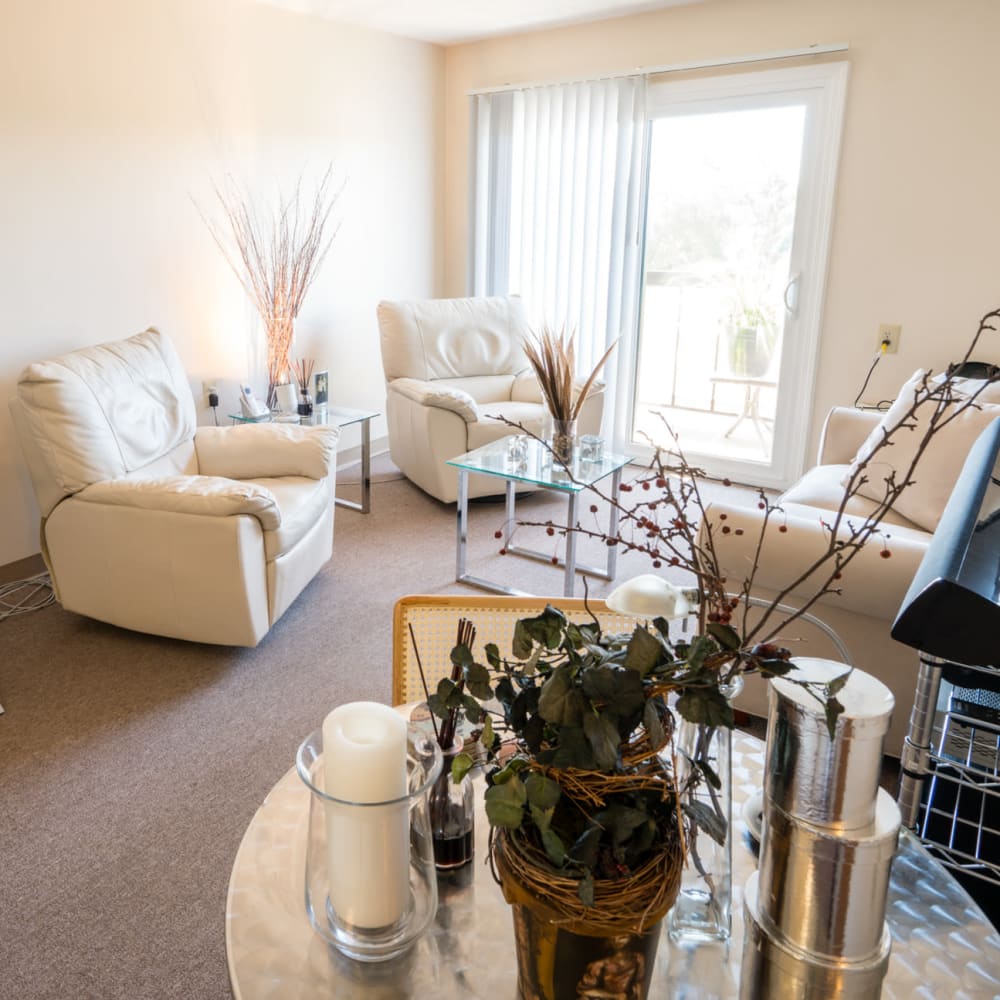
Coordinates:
x,y
702,911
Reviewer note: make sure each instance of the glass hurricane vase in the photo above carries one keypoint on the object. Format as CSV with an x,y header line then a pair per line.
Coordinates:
x,y
702,911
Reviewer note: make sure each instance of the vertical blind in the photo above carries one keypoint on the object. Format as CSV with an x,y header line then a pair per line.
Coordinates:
x,y
556,207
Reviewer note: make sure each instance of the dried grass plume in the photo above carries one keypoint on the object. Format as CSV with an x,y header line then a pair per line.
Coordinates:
x,y
553,357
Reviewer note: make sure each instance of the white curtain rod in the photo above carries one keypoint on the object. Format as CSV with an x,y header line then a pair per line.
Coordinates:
x,y
809,50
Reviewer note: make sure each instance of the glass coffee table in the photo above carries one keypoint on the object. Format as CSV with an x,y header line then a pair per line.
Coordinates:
x,y
537,469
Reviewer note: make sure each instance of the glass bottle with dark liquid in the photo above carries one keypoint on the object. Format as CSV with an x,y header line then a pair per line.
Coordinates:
x,y
452,812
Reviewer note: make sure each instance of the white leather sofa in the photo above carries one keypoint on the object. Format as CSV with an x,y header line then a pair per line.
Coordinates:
x,y
872,586
153,524
453,368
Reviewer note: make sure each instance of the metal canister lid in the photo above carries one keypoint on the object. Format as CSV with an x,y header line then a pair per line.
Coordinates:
x,y
829,781
823,891
773,969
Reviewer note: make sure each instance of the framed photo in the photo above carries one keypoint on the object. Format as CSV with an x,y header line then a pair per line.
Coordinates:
x,y
321,384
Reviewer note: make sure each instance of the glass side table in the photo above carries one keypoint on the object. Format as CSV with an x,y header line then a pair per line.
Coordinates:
x,y
334,416
530,463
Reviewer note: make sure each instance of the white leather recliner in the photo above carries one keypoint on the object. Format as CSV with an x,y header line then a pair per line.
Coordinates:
x,y
453,367
154,524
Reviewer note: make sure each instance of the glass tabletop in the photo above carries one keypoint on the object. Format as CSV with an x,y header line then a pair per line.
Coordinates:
x,y
335,416
538,467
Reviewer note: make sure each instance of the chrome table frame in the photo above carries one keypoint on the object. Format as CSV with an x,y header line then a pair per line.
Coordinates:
x,y
571,489
942,945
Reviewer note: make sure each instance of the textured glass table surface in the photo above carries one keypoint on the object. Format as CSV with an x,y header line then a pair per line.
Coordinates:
x,y
942,945
539,468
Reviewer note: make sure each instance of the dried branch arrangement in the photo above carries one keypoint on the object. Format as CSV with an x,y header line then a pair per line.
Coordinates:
x,y
276,253
674,526
553,357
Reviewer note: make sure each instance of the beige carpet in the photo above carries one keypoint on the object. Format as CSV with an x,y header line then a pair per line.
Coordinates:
x,y
130,765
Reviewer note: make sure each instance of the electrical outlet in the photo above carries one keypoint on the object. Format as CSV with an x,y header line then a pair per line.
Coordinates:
x,y
210,389
888,334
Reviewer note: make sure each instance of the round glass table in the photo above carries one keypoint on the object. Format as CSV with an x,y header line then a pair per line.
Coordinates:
x,y
942,944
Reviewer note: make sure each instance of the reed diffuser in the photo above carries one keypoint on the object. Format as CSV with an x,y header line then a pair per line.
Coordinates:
x,y
303,369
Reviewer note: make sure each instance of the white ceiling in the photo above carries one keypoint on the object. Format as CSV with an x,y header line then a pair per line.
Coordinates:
x,y
448,22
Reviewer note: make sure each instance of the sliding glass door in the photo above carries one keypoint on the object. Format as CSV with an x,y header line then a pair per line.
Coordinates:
x,y
739,191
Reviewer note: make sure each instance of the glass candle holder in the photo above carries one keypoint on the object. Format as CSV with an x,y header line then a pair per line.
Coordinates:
x,y
591,448
370,878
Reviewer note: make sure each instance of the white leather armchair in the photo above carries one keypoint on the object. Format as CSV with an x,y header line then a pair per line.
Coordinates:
x,y
453,369
154,524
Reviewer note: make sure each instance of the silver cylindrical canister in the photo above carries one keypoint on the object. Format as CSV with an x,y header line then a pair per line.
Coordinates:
x,y
825,891
773,969
828,781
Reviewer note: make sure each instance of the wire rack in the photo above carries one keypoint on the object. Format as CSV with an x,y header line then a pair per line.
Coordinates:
x,y
959,818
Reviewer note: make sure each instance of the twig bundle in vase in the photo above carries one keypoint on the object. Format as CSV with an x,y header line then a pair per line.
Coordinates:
x,y
276,256
553,358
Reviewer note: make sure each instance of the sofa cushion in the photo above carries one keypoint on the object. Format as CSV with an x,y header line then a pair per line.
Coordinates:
x,y
923,501
451,338
102,412
301,502
823,487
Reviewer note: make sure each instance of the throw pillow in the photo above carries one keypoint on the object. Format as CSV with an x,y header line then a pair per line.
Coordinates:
x,y
940,465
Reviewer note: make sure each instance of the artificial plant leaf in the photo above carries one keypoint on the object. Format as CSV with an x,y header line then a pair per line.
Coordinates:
x,y
477,681
505,803
662,626
709,773
833,710
573,751
486,737
554,847
602,734
697,651
837,684
461,765
461,656
775,668
473,710
652,724
620,820
505,693
521,644
542,792
612,687
644,651
585,848
492,652
586,889
707,819
533,733
725,635
542,818
705,706
560,702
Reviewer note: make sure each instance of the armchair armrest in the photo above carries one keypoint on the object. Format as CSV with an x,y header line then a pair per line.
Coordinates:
x,y
252,451
210,496
844,432
443,397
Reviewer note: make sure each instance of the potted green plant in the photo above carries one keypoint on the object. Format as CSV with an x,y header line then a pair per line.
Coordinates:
x,y
587,814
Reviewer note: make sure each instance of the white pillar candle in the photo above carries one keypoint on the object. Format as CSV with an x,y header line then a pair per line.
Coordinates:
x,y
368,848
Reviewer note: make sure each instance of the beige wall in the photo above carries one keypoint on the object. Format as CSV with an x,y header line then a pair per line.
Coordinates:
x,y
115,114
917,214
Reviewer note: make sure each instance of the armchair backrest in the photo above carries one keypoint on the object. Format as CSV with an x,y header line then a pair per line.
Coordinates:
x,y
103,412
452,338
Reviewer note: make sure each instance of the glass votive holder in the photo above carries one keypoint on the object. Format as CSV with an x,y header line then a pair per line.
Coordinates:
x,y
517,450
591,448
370,877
